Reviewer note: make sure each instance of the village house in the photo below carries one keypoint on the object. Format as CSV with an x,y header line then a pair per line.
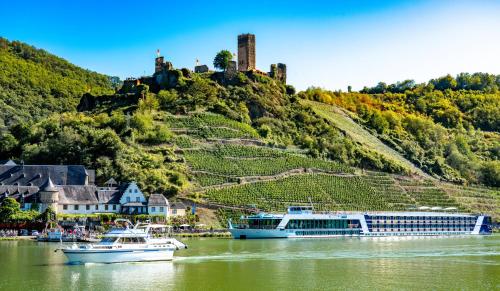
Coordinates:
x,y
71,190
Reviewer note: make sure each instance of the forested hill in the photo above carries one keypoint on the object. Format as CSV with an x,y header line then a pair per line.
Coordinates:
x,y
35,83
449,126
252,140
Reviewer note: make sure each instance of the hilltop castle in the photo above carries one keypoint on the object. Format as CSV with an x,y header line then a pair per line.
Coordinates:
x,y
166,76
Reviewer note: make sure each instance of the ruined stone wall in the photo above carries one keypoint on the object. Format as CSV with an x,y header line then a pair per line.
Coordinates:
x,y
278,72
158,64
201,69
231,70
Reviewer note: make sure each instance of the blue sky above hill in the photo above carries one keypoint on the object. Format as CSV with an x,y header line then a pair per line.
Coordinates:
x,y
331,44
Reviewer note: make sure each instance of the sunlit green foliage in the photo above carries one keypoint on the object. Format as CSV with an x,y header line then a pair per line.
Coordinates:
x,y
449,127
35,83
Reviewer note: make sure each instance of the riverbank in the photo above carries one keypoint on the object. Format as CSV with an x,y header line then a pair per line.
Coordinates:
x,y
29,237
203,234
181,235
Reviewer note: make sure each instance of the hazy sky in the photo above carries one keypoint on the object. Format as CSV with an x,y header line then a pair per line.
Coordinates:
x,y
331,44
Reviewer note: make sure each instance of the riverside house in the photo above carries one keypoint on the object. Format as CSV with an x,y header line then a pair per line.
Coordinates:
x,y
72,190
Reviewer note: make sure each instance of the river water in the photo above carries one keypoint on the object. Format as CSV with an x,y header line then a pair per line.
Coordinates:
x,y
460,263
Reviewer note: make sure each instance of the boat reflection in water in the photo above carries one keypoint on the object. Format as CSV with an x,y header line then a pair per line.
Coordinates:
x,y
128,244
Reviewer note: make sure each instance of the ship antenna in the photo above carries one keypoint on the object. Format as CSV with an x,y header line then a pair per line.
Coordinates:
x,y
310,202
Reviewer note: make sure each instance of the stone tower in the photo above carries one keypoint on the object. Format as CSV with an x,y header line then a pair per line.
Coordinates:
x,y
158,64
246,52
49,196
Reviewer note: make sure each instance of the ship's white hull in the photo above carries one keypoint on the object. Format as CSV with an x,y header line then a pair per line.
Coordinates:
x,y
276,233
118,256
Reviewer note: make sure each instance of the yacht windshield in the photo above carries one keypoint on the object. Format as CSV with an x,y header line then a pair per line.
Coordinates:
x,y
109,240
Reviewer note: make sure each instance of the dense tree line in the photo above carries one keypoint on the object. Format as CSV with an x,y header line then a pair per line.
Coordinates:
x,y
484,82
451,133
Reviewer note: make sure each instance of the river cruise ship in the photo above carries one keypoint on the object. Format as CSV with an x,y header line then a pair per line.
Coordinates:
x,y
303,222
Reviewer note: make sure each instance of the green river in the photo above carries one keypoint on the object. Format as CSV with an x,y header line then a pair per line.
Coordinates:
x,y
426,263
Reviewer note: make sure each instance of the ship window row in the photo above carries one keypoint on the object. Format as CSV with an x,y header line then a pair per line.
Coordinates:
x,y
263,223
322,223
328,232
381,229
386,225
446,218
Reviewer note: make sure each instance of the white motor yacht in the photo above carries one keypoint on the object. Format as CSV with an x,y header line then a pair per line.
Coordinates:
x,y
129,244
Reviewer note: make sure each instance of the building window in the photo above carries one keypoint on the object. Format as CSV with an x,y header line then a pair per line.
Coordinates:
x,y
87,207
128,199
114,206
76,207
135,190
129,190
106,207
65,207
97,207
161,209
153,209
174,211
137,199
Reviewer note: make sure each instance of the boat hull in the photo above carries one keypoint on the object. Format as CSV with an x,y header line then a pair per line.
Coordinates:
x,y
118,256
257,233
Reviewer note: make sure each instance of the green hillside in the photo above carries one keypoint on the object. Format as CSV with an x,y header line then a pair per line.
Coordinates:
x,y
252,142
358,134
35,83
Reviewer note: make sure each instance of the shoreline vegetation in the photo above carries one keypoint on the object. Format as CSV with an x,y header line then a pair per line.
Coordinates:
x,y
206,234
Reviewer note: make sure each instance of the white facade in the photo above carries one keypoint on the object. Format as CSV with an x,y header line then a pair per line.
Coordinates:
x,y
132,194
158,210
88,208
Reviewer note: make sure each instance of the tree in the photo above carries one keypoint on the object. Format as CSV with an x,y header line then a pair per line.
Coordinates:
x,y
48,215
490,173
8,209
222,59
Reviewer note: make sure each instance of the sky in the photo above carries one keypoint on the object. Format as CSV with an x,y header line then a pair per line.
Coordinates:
x,y
329,44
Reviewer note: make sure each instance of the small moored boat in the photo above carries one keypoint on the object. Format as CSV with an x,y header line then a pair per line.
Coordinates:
x,y
129,244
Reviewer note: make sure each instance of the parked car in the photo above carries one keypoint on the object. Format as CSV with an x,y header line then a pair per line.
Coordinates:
x,y
35,233
23,232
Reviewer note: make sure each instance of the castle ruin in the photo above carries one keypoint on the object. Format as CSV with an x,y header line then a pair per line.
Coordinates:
x,y
166,76
246,52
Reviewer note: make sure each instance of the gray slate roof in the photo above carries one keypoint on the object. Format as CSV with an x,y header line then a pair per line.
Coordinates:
x,y
36,175
109,195
48,186
77,194
177,205
157,200
30,193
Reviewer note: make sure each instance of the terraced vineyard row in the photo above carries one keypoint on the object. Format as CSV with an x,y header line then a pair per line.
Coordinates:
x,y
476,199
209,125
216,162
325,191
206,179
329,192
